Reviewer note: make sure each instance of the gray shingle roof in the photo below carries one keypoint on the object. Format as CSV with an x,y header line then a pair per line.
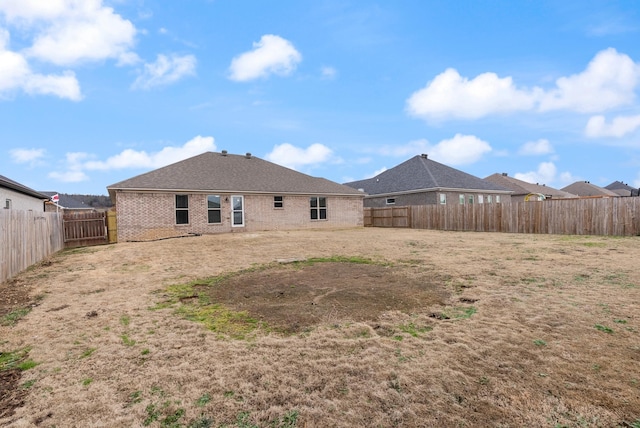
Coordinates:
x,y
422,173
521,187
584,188
623,189
14,185
218,172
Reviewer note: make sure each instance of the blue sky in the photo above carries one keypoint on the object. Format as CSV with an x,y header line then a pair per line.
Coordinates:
x,y
93,92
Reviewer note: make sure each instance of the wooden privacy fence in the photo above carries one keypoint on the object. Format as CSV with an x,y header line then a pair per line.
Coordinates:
x,y
602,216
83,229
26,238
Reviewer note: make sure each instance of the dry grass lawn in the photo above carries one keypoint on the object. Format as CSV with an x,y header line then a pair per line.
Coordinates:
x,y
378,328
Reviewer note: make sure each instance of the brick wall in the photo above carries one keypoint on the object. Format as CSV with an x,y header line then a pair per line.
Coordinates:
x,y
431,198
147,216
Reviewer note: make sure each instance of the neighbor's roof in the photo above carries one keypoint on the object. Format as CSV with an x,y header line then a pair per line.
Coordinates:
x,y
15,186
521,187
584,188
220,172
622,189
422,173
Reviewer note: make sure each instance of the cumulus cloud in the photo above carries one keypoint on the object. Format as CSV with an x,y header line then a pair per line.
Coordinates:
x,y
78,163
535,148
546,173
271,55
165,70
450,95
620,126
295,157
460,150
15,74
609,81
26,155
130,158
72,31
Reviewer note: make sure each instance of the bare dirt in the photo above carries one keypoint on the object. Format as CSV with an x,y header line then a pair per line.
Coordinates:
x,y
391,327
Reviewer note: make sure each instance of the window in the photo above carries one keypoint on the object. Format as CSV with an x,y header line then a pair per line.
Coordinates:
x,y
461,199
391,201
278,202
213,209
318,205
497,199
7,204
182,209
237,211
471,199
443,198
489,199
480,199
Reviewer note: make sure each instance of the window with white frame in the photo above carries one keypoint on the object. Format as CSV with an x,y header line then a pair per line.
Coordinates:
x,y
461,199
391,201
489,199
182,209
7,204
443,198
497,199
470,199
318,207
214,213
278,202
480,199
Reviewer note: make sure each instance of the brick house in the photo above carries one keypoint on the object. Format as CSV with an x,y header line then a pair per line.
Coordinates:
x,y
221,192
422,181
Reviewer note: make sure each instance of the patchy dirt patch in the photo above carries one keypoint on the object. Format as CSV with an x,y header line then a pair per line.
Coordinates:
x,y
298,296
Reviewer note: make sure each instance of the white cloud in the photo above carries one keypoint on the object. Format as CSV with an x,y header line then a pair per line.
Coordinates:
x,y
609,81
295,157
460,150
271,55
329,73
68,176
141,159
378,171
15,74
546,173
451,95
67,32
619,126
26,155
165,70
535,148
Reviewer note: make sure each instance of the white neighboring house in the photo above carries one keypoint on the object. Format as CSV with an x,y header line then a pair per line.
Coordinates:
x,y
14,195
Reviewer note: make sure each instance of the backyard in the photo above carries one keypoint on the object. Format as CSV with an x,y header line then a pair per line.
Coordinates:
x,y
357,327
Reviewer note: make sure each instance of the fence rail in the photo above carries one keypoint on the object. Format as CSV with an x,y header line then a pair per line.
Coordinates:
x,y
26,238
603,216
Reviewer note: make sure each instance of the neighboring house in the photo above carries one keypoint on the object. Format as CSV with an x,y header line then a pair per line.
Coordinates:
x,y
623,189
422,181
521,189
14,195
65,203
220,192
586,189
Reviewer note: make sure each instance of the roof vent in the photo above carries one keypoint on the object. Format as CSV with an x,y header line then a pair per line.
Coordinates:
x,y
224,153
424,156
504,174
248,155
